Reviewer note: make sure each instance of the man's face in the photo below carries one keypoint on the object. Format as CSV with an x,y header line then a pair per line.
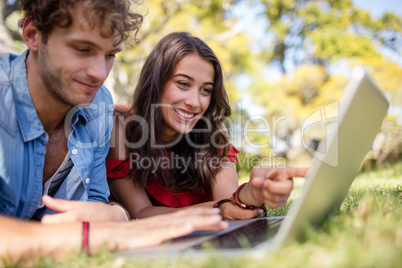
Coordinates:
x,y
75,61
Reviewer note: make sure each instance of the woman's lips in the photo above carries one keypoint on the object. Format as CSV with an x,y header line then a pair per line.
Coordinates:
x,y
185,115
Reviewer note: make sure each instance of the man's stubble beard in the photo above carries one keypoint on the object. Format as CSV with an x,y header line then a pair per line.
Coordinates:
x,y
52,78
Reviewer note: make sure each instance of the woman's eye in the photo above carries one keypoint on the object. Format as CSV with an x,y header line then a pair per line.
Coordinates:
x,y
182,84
207,90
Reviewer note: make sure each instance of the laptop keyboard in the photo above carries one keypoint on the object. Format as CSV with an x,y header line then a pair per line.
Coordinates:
x,y
247,236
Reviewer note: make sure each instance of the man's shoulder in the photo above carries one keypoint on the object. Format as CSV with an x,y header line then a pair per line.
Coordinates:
x,y
103,95
7,58
7,107
5,67
11,70
102,105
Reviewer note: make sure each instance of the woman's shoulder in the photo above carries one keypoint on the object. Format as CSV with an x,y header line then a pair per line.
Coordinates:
x,y
120,113
117,168
117,145
233,150
232,154
121,109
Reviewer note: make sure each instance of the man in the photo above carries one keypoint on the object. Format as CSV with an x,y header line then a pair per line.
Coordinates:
x,y
55,126
57,141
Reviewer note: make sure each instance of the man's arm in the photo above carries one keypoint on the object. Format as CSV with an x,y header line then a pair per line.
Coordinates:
x,y
23,241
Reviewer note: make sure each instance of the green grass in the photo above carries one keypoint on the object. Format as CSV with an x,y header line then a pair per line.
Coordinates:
x,y
365,232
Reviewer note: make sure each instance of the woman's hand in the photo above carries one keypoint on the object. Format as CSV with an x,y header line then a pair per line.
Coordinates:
x,y
272,185
231,211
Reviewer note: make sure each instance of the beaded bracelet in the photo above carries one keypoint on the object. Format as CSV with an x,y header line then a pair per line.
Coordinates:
x,y
241,204
237,201
85,237
219,203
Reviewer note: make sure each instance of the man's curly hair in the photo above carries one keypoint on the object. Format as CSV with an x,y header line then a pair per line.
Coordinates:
x,y
112,15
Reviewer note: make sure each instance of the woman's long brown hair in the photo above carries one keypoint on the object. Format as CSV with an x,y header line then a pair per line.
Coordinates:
x,y
155,74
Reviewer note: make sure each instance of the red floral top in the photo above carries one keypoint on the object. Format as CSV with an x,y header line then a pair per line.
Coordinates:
x,y
160,195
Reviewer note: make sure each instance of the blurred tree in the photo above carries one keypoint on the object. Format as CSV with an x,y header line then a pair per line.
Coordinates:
x,y
323,31
388,144
310,36
7,35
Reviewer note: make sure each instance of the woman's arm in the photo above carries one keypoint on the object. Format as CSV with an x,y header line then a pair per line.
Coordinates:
x,y
224,186
132,197
135,199
267,185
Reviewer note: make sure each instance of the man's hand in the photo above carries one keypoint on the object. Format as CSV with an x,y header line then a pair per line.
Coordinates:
x,y
154,230
26,240
272,185
72,211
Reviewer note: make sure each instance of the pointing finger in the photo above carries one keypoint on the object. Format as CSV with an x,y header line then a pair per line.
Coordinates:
x,y
277,187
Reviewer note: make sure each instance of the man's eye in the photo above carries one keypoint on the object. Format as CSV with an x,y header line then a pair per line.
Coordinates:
x,y
111,55
82,50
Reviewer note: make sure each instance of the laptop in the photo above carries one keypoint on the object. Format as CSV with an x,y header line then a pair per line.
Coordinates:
x,y
351,128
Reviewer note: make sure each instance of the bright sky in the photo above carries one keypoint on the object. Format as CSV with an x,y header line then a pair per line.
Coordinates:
x,y
379,7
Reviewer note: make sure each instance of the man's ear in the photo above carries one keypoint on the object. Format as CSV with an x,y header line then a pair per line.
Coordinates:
x,y
31,35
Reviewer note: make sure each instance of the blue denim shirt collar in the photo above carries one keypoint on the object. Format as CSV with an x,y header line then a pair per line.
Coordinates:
x,y
79,115
27,117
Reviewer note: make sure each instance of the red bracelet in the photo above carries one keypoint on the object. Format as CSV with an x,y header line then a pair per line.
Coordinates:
x,y
85,237
219,203
241,204
236,198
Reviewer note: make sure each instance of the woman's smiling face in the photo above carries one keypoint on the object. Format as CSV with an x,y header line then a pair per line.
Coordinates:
x,y
186,96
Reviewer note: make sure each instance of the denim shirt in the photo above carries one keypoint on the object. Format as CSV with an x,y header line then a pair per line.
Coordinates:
x,y
23,145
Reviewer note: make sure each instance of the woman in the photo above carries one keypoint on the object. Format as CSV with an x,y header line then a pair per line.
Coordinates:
x,y
171,149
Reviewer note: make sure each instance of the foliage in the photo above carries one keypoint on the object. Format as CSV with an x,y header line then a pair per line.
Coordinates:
x,y
308,40
326,30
